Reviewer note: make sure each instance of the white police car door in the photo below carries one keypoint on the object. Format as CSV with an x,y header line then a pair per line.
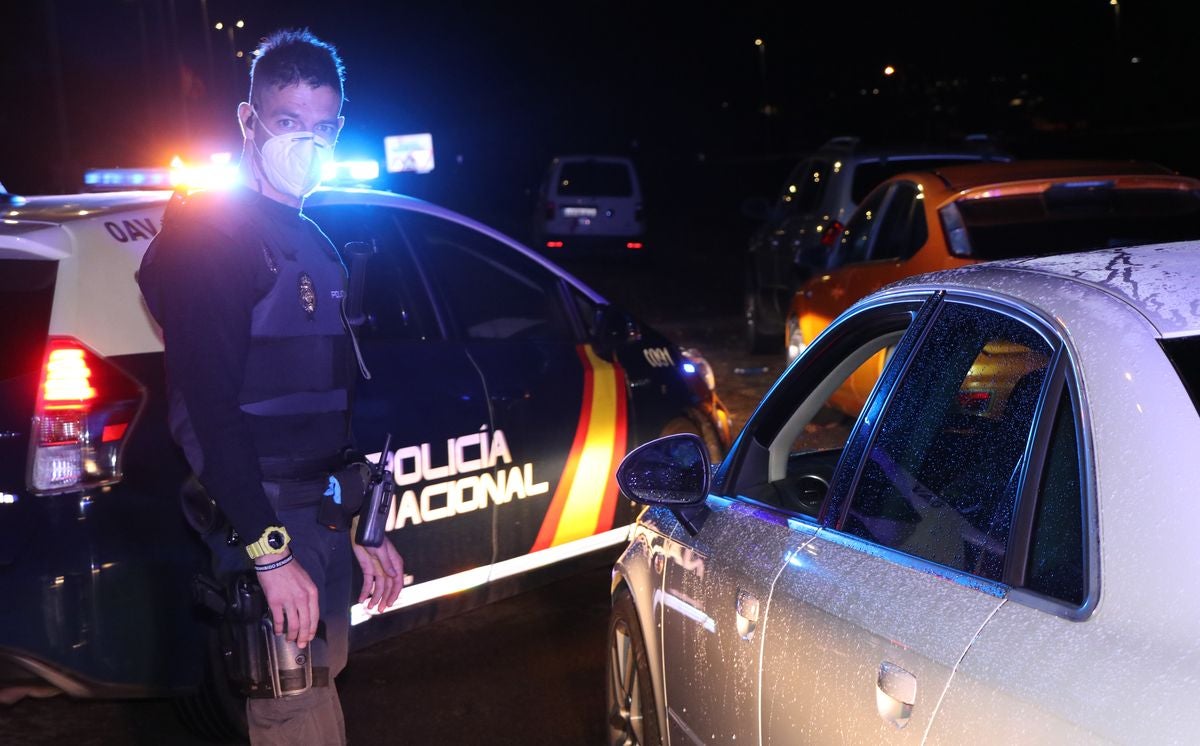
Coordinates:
x,y
555,404
427,393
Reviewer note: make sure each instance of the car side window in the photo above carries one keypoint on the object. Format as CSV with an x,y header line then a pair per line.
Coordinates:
x,y
488,288
1056,555
395,302
789,201
811,186
855,242
805,424
939,479
902,228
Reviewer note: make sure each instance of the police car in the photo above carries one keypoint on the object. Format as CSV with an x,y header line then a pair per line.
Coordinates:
x,y
510,388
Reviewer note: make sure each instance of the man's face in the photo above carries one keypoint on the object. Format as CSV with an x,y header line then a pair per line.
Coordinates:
x,y
293,108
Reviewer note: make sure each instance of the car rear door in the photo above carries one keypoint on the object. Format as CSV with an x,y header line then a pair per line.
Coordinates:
x,y
559,409
424,390
867,626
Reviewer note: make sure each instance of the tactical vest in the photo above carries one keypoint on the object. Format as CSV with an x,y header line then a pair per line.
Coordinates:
x,y
295,388
297,368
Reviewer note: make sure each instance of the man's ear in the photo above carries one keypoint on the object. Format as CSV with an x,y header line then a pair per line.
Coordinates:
x,y
246,118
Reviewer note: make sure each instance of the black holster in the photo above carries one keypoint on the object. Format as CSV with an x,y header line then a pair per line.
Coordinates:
x,y
259,662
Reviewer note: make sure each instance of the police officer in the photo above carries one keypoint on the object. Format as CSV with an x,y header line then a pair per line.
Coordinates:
x,y
248,293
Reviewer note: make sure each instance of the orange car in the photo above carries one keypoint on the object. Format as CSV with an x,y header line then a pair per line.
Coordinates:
x,y
924,221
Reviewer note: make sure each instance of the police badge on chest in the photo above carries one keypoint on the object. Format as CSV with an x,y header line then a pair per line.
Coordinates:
x,y
308,295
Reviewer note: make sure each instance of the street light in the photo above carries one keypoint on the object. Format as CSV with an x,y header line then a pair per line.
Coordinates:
x,y
766,106
889,71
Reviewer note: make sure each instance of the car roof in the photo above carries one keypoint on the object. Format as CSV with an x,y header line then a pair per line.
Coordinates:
x,y
66,208
1159,281
969,176
851,149
71,208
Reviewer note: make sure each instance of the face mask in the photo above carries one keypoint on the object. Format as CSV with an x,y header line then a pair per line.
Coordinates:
x,y
294,162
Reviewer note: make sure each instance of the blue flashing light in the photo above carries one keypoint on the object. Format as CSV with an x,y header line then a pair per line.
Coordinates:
x,y
353,172
122,178
689,368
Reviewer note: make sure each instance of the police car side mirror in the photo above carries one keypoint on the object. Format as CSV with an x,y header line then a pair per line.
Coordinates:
x,y
613,327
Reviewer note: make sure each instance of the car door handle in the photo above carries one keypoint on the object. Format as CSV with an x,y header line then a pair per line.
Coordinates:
x,y
895,694
747,614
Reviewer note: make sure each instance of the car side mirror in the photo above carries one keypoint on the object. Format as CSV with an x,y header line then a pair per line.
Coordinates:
x,y
756,208
613,327
672,472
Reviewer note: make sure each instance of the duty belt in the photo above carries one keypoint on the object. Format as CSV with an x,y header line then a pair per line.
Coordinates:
x,y
276,469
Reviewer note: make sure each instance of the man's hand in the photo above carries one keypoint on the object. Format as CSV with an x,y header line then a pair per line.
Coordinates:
x,y
292,595
383,573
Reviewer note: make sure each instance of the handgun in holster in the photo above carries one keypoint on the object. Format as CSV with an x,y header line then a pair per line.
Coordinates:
x,y
259,662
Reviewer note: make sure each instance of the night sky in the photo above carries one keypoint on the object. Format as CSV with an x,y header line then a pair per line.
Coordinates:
x,y
503,87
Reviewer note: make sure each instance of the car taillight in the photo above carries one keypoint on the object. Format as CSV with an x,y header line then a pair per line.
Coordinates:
x,y
85,406
831,234
549,211
634,245
554,244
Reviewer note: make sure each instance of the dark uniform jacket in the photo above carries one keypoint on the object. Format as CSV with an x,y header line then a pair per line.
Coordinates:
x,y
248,294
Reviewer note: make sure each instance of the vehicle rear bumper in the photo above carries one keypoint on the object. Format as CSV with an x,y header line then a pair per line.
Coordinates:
x,y
96,602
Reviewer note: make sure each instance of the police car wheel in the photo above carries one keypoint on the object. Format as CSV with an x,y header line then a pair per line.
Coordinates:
x,y
216,711
632,712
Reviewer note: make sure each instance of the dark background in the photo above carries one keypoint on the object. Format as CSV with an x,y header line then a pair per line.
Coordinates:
x,y
708,116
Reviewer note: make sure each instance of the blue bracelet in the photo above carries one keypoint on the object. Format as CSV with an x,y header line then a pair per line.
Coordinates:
x,y
273,565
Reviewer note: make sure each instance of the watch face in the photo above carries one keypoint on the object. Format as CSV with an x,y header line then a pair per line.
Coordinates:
x,y
275,540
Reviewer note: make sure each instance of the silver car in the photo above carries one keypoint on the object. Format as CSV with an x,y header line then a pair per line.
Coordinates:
x,y
1000,546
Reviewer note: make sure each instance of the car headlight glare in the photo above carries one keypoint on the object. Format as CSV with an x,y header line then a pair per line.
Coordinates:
x,y
694,364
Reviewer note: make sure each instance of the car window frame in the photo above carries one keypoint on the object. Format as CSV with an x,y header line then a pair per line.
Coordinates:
x,y
886,210
448,318
433,329
752,449
1062,379
841,258
1063,382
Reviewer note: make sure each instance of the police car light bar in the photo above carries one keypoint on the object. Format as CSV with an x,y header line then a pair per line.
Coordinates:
x,y
220,173
343,172
127,178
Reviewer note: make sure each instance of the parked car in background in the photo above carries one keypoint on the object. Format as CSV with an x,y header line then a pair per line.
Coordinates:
x,y
511,390
945,567
960,215
589,203
803,222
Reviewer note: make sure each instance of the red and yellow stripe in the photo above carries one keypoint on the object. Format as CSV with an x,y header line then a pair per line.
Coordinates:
x,y
585,500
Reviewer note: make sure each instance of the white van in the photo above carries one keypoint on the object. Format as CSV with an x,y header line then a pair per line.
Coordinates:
x,y
589,202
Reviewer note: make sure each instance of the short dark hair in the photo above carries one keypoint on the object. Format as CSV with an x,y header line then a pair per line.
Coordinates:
x,y
291,56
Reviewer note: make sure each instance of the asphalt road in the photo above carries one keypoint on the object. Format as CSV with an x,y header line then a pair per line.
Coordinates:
x,y
527,670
